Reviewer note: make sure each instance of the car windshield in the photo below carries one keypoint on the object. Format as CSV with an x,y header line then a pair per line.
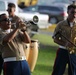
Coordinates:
x,y
2,6
31,8
50,8
43,8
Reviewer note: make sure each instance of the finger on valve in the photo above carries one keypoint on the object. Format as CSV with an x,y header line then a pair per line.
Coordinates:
x,y
20,24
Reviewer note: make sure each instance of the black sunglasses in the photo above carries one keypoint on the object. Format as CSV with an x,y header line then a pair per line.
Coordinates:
x,y
9,10
6,20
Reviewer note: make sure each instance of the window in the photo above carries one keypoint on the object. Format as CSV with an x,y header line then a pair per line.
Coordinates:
x,y
2,6
49,8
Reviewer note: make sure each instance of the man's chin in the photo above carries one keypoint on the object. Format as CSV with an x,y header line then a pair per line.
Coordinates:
x,y
8,28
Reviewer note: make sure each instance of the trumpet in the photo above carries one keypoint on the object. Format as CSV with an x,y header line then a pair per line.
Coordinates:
x,y
28,23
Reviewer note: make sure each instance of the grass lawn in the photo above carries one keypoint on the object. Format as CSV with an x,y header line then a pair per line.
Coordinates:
x,y
46,55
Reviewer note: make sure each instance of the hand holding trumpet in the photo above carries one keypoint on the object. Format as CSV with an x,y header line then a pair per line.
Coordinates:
x,y
20,24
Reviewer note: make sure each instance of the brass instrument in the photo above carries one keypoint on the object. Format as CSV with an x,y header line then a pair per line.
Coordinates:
x,y
28,23
72,40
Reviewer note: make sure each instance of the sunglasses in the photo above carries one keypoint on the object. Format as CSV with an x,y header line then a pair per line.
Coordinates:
x,y
9,10
6,20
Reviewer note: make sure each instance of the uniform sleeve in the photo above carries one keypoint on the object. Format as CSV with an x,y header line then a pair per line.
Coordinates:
x,y
1,38
56,31
1,42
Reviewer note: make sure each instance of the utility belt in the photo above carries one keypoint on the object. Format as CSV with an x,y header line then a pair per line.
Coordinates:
x,y
62,47
69,49
14,58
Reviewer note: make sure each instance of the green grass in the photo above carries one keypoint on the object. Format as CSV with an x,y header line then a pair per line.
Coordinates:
x,y
45,62
45,39
46,55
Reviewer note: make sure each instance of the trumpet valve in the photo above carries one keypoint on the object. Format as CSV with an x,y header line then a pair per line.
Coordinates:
x,y
72,51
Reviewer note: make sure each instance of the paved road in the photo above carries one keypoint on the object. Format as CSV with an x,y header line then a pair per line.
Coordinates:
x,y
45,32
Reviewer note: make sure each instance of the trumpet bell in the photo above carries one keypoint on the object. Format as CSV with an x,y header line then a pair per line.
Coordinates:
x,y
35,19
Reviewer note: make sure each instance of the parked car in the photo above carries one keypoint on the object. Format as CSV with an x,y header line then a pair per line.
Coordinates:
x,y
56,13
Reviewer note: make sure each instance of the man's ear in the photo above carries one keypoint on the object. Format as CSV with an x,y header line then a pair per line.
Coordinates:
x,y
14,10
